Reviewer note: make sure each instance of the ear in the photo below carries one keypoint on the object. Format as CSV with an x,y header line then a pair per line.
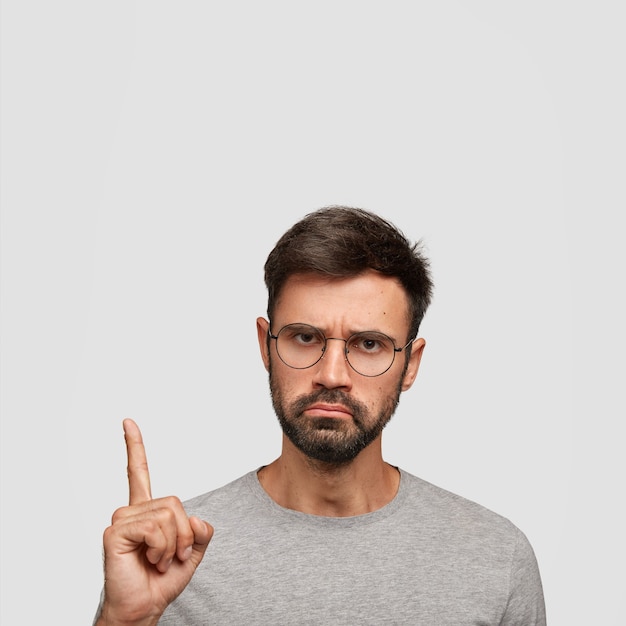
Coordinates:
x,y
262,330
414,364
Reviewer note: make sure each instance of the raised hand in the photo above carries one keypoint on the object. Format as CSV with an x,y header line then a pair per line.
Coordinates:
x,y
151,549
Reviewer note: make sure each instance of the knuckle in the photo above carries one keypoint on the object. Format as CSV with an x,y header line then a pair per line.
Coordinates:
x,y
165,514
151,526
119,514
185,536
107,535
173,502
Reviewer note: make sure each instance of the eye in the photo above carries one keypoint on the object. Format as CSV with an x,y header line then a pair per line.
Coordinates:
x,y
305,338
302,336
371,343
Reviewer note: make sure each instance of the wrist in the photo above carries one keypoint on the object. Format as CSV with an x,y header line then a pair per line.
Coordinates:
x,y
109,617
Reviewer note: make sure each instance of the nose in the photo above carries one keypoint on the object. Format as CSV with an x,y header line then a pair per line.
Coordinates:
x,y
332,371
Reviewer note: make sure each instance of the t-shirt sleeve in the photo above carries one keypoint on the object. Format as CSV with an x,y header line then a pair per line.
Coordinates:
x,y
526,605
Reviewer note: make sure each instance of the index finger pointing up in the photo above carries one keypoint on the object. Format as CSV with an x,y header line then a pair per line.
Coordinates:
x,y
138,474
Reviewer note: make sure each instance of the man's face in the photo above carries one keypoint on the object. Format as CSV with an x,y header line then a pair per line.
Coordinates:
x,y
328,411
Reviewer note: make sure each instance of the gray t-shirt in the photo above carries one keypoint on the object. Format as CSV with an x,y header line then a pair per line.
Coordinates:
x,y
429,557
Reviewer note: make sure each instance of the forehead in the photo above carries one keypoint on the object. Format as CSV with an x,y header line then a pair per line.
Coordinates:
x,y
369,301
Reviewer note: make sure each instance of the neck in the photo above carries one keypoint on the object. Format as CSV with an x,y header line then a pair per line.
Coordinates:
x,y
297,482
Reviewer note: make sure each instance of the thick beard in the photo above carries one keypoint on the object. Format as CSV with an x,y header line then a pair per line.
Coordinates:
x,y
331,441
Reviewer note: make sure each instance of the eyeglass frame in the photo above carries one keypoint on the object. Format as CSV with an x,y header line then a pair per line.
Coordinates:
x,y
345,348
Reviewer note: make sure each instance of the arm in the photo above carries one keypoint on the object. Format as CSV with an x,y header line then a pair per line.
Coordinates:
x,y
151,549
526,605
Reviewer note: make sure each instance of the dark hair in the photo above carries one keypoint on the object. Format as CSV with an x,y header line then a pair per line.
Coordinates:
x,y
340,241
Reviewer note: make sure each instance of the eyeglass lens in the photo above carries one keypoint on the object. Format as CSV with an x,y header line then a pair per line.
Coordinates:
x,y
301,346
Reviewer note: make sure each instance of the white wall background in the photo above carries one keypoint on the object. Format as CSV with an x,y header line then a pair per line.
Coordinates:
x,y
153,152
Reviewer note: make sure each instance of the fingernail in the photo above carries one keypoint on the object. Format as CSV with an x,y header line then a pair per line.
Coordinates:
x,y
187,553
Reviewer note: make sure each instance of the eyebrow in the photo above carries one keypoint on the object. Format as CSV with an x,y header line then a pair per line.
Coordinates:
x,y
351,331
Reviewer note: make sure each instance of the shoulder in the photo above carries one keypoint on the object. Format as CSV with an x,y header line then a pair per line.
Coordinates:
x,y
235,498
448,514
441,502
479,543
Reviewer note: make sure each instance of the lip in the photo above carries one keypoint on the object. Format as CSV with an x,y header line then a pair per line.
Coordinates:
x,y
328,410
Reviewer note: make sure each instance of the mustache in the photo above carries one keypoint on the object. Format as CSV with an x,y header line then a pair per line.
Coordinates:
x,y
330,396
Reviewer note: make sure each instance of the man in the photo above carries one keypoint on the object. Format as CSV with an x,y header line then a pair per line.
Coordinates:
x,y
328,533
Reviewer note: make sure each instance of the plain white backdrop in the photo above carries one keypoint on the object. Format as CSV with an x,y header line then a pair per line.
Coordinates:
x,y
152,154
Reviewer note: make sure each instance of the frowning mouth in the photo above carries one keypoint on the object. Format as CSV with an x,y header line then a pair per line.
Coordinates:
x,y
321,409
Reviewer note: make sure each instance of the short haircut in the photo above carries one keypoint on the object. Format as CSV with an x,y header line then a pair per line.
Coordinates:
x,y
342,242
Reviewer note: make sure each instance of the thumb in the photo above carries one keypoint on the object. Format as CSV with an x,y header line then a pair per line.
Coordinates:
x,y
203,532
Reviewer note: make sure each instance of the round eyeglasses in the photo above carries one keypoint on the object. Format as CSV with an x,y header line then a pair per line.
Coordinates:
x,y
368,353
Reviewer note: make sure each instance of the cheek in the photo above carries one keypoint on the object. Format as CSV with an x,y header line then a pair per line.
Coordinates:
x,y
371,395
290,382
387,390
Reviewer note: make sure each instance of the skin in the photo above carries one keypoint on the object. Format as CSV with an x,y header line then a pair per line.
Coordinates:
x,y
339,307
152,547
